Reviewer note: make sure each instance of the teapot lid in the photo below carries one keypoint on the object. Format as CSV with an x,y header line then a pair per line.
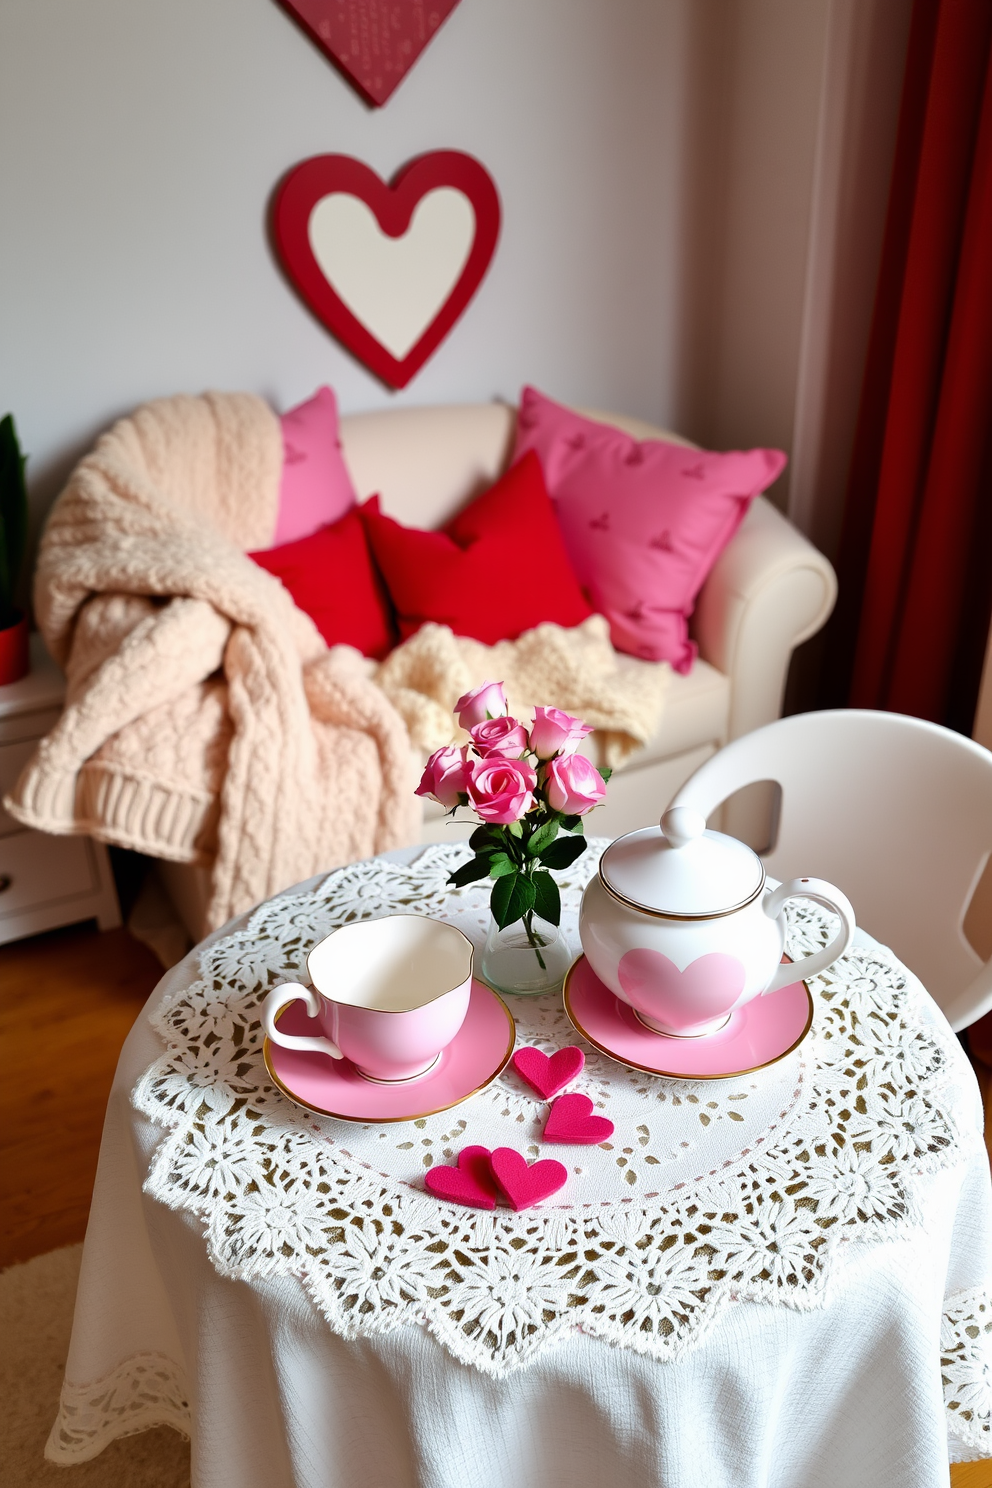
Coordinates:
x,y
680,870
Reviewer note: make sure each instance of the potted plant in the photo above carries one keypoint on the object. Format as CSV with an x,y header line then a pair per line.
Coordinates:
x,y
13,535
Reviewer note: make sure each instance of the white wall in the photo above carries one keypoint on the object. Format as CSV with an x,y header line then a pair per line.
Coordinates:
x,y
140,144
660,164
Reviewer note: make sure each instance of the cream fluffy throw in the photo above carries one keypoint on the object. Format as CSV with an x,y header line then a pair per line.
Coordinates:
x,y
206,720
576,670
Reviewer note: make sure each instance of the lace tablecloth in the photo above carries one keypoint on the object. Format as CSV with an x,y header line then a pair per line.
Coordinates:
x,y
846,1185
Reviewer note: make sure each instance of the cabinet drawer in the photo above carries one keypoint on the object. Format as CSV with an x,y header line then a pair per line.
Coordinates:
x,y
37,869
13,758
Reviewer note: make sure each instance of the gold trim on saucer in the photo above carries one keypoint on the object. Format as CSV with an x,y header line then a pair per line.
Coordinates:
x,y
414,1115
648,1069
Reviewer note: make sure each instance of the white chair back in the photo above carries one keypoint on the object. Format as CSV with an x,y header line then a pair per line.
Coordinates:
x,y
896,812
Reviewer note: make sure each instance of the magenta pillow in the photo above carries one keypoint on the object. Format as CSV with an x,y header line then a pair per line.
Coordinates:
x,y
643,520
315,488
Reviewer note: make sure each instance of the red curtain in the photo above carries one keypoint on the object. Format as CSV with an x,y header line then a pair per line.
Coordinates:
x,y
916,558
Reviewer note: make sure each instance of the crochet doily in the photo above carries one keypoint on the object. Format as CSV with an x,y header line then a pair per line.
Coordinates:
x,y
709,1194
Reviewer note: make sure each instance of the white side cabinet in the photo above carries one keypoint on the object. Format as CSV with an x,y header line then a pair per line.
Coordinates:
x,y
45,881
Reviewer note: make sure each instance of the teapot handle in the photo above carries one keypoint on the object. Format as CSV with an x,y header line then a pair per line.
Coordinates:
x,y
830,898
280,997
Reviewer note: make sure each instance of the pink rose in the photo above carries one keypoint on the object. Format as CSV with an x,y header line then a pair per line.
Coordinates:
x,y
503,736
446,776
554,732
572,785
487,701
501,790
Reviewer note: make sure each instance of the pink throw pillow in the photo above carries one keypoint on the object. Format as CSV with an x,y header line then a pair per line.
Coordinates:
x,y
643,521
315,489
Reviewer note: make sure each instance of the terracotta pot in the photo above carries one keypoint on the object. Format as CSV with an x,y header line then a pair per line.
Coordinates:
x,y
14,660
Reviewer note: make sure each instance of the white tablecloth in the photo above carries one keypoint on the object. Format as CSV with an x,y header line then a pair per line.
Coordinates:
x,y
780,1281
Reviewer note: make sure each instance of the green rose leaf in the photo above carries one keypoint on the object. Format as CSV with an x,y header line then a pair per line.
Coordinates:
x,y
563,853
486,837
511,898
572,823
474,869
542,838
500,865
606,772
547,900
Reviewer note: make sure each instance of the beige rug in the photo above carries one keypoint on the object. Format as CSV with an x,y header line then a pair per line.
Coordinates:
x,y
36,1302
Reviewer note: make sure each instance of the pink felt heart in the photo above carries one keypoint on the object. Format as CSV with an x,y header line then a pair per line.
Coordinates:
x,y
525,1185
707,988
571,1120
549,1075
470,1183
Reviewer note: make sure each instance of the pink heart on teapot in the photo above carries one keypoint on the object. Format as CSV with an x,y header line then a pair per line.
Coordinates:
x,y
705,990
549,1075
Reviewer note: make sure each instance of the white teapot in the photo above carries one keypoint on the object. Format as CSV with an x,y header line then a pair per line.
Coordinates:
x,y
680,924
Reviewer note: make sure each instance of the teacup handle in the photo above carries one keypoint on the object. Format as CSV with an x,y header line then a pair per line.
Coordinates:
x,y
280,997
830,898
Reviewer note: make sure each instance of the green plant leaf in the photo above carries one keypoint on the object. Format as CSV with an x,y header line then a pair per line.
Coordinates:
x,y
563,853
486,836
515,829
547,899
606,772
572,823
500,865
475,868
13,515
511,898
542,837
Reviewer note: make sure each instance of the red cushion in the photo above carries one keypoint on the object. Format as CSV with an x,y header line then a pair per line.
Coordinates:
x,y
331,576
498,569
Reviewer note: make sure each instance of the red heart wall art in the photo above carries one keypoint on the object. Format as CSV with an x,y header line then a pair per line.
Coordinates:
x,y
373,42
388,268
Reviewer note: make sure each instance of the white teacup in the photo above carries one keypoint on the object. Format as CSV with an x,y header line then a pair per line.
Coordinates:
x,y
387,994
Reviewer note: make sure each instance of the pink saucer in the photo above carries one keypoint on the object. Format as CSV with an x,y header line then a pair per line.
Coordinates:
x,y
761,1032
333,1087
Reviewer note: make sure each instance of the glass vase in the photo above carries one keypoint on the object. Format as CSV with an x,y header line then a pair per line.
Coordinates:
x,y
528,958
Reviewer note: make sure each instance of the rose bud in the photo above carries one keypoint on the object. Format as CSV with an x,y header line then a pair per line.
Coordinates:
x,y
572,785
503,736
554,732
501,790
487,701
446,776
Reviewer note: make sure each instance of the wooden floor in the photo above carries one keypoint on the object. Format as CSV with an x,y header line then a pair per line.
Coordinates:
x,y
67,1001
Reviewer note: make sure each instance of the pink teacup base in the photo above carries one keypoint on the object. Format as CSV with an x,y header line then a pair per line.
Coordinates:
x,y
761,1032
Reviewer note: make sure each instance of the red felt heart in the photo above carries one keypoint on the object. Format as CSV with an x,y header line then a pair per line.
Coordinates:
x,y
470,1183
569,1120
547,1075
314,246
525,1185
373,42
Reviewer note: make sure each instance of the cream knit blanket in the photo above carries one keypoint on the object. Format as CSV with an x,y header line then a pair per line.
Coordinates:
x,y
577,670
206,720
